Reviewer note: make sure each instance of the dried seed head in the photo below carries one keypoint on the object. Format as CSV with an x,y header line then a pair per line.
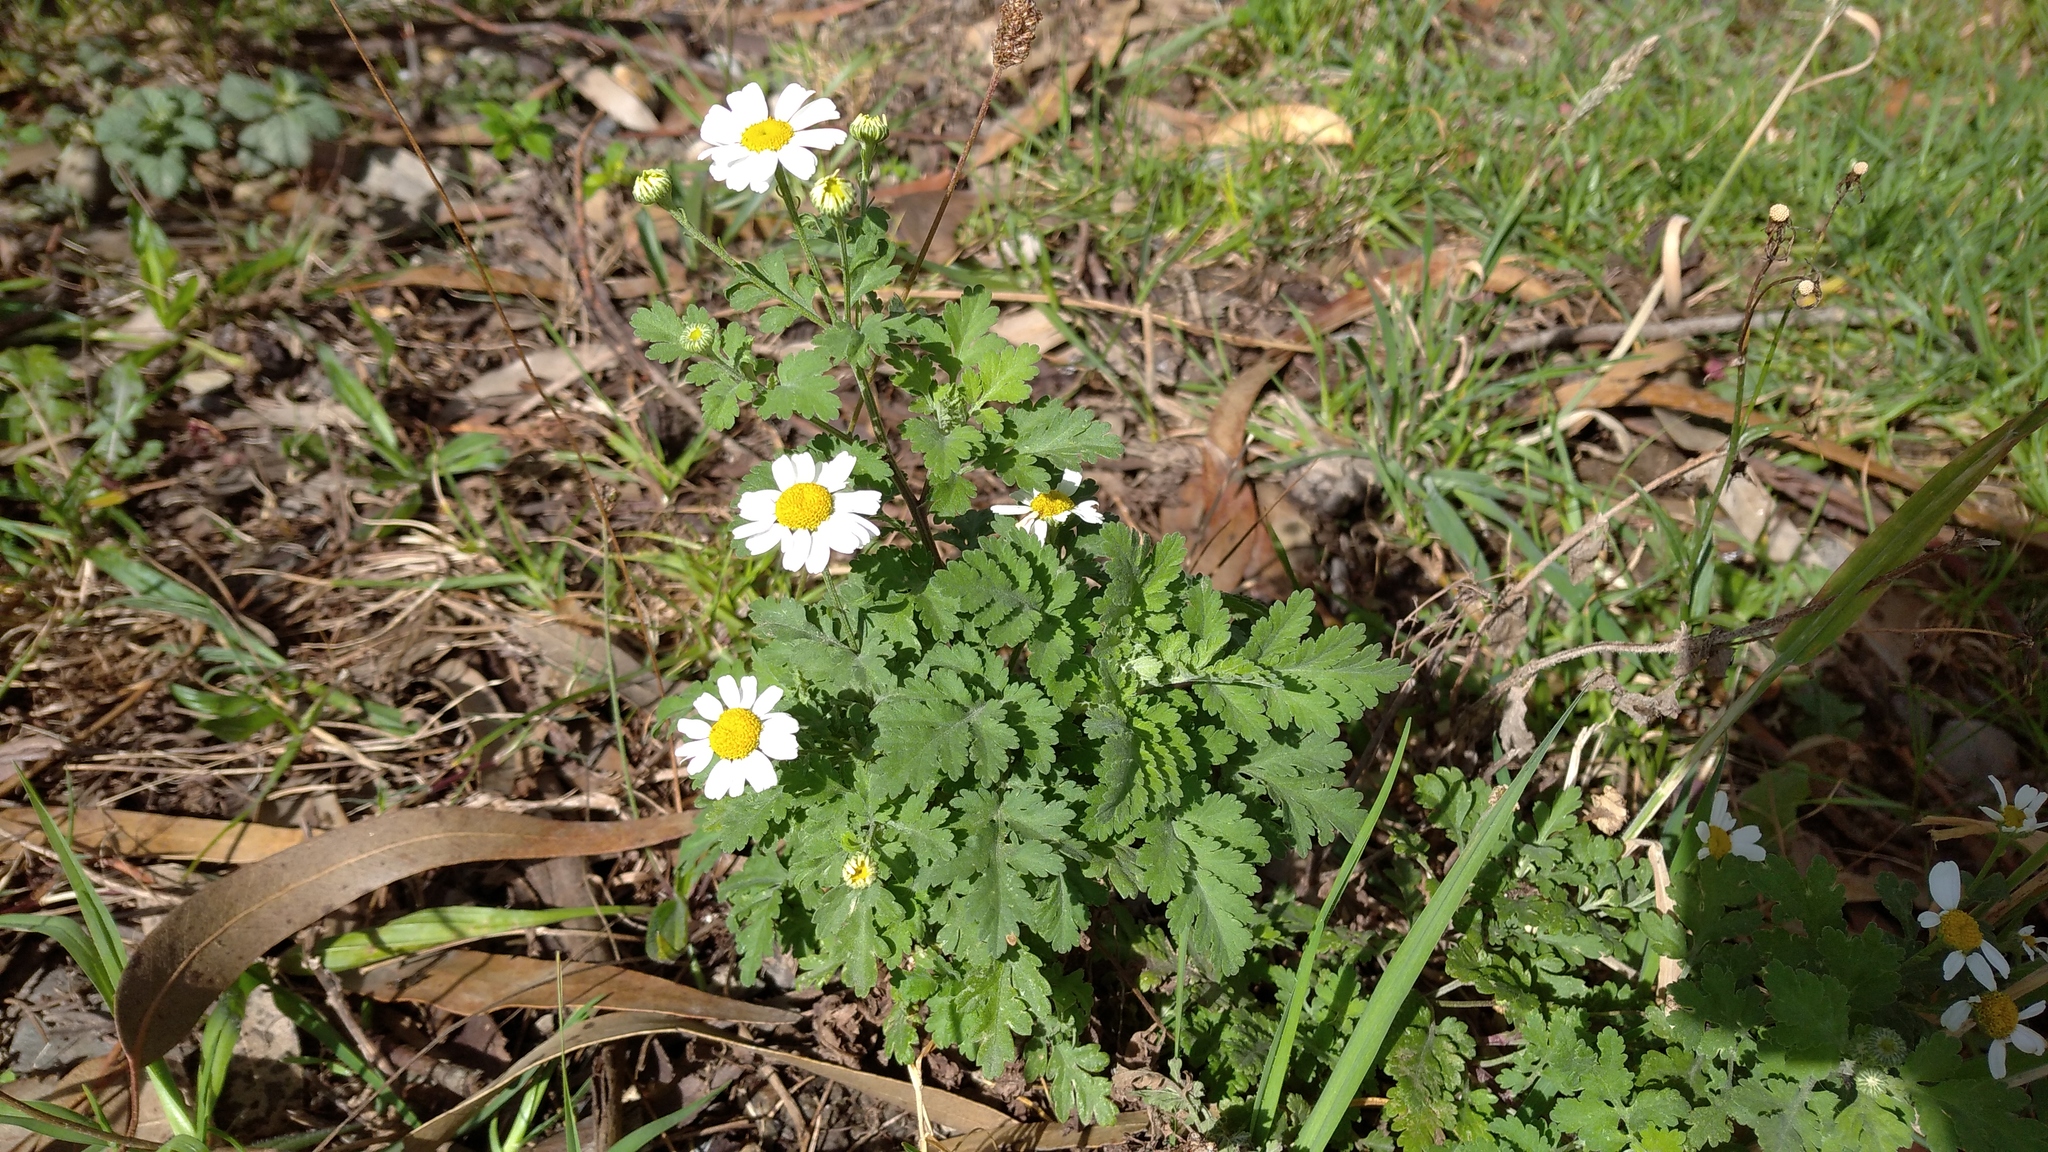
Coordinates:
x,y
1780,213
1859,169
653,186
1806,294
1016,28
870,128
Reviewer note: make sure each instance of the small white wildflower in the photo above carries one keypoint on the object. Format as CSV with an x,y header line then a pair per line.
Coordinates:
x,y
2022,813
1047,508
810,513
746,142
2031,944
2000,1018
1960,930
1719,836
739,735
858,871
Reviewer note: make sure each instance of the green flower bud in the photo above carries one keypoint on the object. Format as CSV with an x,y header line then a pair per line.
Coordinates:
x,y
870,128
697,338
653,186
832,195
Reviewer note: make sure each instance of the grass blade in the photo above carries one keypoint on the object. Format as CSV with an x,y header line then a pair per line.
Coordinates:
x,y
646,1134
1361,1052
1273,1081
434,927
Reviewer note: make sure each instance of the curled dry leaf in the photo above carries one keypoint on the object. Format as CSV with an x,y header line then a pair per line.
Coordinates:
x,y
207,941
1281,124
612,98
466,982
956,1112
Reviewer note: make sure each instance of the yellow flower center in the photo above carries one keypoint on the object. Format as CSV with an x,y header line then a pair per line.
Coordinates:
x,y
1718,843
767,136
736,734
1996,1014
1050,505
1958,930
2011,817
803,506
858,871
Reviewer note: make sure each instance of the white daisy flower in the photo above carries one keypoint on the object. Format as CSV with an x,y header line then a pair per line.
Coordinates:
x,y
745,141
1052,507
2031,943
1719,836
2022,813
1960,930
2000,1019
739,735
810,513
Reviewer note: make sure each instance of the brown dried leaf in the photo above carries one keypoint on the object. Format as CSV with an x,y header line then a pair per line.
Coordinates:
x,y
150,834
612,98
448,279
1046,1137
956,1112
467,982
1281,124
207,941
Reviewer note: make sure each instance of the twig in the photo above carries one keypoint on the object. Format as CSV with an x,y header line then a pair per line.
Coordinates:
x,y
796,1114
1716,324
1091,304
1601,521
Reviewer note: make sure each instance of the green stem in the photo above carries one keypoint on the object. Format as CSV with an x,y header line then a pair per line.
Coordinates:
x,y
744,269
787,191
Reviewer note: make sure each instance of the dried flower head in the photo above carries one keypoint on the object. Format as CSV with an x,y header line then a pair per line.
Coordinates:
x,y
653,186
870,128
1807,294
1780,214
1859,168
1016,28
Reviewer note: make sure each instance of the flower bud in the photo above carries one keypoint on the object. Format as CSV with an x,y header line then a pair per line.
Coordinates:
x,y
653,186
858,871
832,195
1859,169
697,338
1780,213
870,128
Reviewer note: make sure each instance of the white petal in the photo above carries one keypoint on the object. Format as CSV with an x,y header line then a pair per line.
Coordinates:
x,y
2027,1040
726,779
784,468
801,162
750,688
1069,480
1753,852
721,126
1978,969
760,771
2028,797
694,755
1997,959
750,104
2034,1009
764,704
1996,1059
693,728
1089,510
1721,818
778,745
767,540
1992,814
817,139
795,550
832,473
1700,830
821,555
1951,964
709,708
729,691
789,101
1945,884
1998,787
753,528
1703,851
1929,919
1038,530
816,112
806,468
1957,1012
1011,509
859,501
758,504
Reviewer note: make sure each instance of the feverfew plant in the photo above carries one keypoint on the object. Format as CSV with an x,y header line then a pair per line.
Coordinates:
x,y
1763,1010
992,721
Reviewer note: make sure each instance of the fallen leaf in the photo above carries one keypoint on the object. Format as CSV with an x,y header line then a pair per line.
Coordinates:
x,y
956,1112
466,982
612,98
1281,124
554,367
1047,1137
460,280
1030,326
586,659
205,943
912,218
124,833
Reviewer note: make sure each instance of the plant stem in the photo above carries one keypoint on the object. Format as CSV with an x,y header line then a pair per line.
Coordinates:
x,y
787,191
888,441
915,267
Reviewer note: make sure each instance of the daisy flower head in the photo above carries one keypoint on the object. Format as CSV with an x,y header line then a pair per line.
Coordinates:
x,y
2003,1021
2022,813
747,141
858,871
1047,508
2031,943
1719,836
1959,930
810,513
739,735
